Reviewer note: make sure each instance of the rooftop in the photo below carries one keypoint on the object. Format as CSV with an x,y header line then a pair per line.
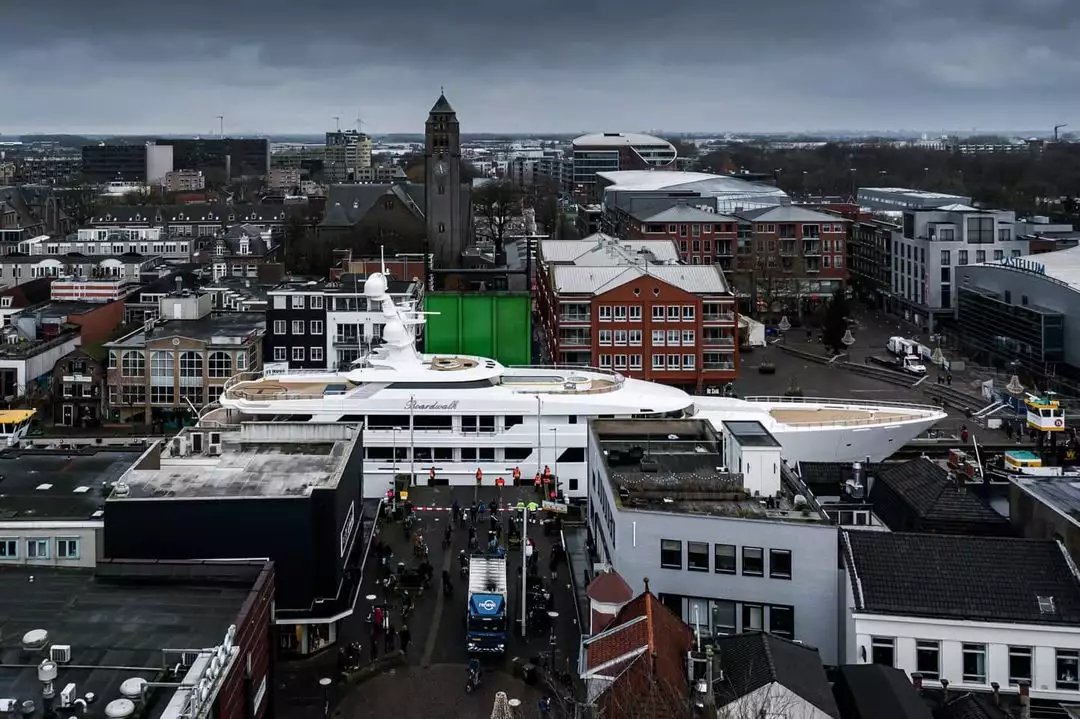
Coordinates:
x,y
258,459
737,193
750,433
596,280
876,691
788,213
1060,265
913,194
678,466
990,579
754,660
1061,493
229,329
921,495
602,250
116,628
619,139
45,484
683,213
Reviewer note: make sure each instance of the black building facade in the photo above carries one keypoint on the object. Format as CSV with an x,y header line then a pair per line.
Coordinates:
x,y
297,502
296,326
108,163
221,159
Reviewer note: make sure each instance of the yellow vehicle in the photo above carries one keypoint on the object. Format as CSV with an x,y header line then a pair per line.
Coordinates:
x,y
1044,414
15,424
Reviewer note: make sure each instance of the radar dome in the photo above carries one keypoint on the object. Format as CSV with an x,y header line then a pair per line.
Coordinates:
x,y
395,334
375,285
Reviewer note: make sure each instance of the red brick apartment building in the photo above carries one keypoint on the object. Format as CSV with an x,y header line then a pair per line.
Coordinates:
x,y
629,307
703,238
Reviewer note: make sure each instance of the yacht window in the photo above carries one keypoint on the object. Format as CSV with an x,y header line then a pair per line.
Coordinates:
x,y
402,454
572,418
388,421
486,454
573,485
444,454
437,421
380,453
422,453
468,423
487,424
513,420
468,454
572,454
517,454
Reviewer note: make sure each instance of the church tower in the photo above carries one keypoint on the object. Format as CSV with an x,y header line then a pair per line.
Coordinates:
x,y
445,200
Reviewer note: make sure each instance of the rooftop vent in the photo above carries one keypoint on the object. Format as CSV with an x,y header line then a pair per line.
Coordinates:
x,y
119,709
35,639
121,488
132,688
650,465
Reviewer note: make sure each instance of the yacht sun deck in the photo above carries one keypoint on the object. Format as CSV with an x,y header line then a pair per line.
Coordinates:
x,y
819,416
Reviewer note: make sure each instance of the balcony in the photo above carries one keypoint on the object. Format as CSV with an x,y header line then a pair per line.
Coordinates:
x,y
811,248
573,318
347,341
717,366
725,341
718,317
575,339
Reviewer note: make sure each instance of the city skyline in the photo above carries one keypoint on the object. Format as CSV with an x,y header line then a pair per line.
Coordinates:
x,y
774,66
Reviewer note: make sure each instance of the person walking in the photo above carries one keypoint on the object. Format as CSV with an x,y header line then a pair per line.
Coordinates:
x,y
553,568
378,617
404,637
388,639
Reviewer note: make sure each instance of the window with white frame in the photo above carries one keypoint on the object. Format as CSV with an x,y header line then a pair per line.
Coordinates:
x,y
973,664
635,313
281,354
658,313
1067,670
315,327
241,361
673,337
162,394
1020,669
673,313
928,659
620,313
658,338
9,548
316,302
298,302
605,338
219,364
635,361
191,364
620,361
161,364
315,354
605,313
658,361
620,338
688,338
883,651
132,364
688,313
298,354
635,338
605,361
689,361
37,548
298,327
673,361
67,547
280,327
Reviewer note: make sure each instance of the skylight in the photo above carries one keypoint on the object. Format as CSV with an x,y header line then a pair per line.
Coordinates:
x,y
1046,605
43,487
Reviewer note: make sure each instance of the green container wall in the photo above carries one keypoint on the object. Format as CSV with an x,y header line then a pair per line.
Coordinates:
x,y
492,324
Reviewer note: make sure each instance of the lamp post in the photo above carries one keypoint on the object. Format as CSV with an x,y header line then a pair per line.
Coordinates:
x,y
325,683
555,447
393,479
552,637
539,441
412,442
524,566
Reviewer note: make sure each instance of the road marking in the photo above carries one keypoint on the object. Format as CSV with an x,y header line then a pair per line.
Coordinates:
x,y
440,601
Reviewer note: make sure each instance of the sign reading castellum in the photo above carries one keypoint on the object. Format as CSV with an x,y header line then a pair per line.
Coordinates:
x,y
412,405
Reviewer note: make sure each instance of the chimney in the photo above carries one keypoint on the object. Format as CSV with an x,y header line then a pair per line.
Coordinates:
x,y
944,691
997,693
916,681
1025,700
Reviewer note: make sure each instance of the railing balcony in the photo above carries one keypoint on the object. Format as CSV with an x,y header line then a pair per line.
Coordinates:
x,y
718,342
347,341
718,365
718,317
574,317
811,248
575,341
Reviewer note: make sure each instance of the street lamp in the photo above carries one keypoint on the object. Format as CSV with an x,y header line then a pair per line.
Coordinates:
x,y
393,479
553,637
325,683
555,447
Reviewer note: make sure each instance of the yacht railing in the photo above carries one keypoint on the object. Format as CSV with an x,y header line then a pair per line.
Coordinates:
x,y
854,422
841,402
615,378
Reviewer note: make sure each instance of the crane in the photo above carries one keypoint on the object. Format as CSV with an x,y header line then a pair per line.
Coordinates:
x,y
337,122
1058,127
221,125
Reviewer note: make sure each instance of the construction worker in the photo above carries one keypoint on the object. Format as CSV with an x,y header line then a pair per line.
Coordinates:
x,y
517,476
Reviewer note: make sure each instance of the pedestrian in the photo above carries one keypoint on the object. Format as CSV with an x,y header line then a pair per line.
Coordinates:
x,y
948,378
378,618
553,568
388,639
404,636
447,534
456,511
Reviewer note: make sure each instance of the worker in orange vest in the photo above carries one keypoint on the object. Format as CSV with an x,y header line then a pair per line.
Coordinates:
x,y
479,476
517,475
431,475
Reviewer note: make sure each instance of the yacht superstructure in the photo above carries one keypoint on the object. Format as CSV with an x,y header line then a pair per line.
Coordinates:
x,y
456,414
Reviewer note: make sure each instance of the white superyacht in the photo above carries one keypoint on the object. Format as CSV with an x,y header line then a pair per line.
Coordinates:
x,y
457,414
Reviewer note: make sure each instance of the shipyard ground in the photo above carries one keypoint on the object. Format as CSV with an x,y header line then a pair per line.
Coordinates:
x,y
432,683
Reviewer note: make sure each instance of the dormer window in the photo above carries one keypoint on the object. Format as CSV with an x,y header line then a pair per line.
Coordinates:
x,y
245,247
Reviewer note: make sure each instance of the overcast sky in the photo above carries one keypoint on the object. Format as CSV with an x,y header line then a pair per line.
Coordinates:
x,y
539,65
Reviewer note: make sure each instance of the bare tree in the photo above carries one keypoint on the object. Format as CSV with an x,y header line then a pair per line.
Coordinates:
x,y
496,204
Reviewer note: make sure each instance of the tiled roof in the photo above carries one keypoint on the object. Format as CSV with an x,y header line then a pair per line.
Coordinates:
x,y
609,588
970,706
756,659
602,250
970,578
788,213
191,214
685,213
875,691
919,495
655,642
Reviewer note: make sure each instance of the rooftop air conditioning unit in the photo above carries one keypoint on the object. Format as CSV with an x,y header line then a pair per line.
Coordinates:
x,y
60,653
214,450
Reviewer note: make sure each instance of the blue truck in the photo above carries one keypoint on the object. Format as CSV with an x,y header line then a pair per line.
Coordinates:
x,y
486,621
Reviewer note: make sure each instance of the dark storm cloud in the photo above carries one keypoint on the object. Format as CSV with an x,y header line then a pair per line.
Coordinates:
x,y
542,64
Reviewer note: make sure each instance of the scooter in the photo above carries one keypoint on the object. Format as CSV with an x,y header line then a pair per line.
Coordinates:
x,y
473,680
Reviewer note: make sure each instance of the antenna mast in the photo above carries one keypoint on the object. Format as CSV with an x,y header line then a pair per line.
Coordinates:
x,y
221,126
1058,127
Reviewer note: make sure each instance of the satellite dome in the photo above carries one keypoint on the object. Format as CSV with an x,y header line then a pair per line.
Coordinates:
x,y
395,334
375,285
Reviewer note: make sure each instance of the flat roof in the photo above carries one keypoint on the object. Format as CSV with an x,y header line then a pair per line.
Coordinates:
x,y
750,433
107,624
1060,493
49,484
273,466
913,194
216,330
619,139
678,466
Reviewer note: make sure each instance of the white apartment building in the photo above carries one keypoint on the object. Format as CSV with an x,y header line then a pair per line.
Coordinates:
x,y
932,243
347,153
112,241
973,611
